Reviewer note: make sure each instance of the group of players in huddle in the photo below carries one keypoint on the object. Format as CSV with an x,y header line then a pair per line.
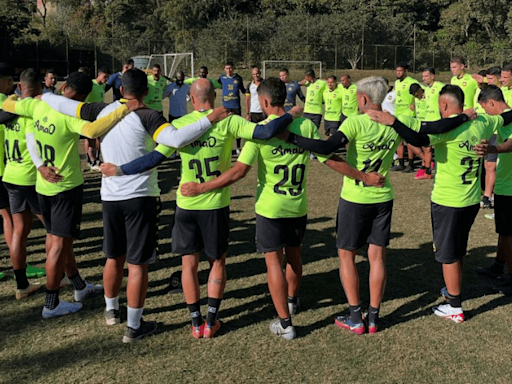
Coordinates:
x,y
43,176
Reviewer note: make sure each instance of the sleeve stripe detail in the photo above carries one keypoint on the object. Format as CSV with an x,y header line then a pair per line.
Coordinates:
x,y
79,110
160,129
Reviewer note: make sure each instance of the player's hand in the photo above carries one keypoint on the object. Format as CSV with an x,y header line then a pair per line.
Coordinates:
x,y
483,148
284,135
247,117
134,104
374,179
296,111
218,114
13,97
108,169
190,189
50,173
412,107
471,113
478,78
381,117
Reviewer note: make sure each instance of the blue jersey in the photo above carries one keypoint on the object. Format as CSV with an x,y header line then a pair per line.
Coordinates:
x,y
231,88
115,81
292,91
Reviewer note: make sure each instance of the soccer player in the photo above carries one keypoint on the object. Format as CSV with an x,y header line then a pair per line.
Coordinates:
x,y
349,92
481,80
156,87
252,103
232,85
456,193
389,102
506,82
116,80
178,94
57,139
292,90
333,100
202,222
50,81
314,96
463,80
203,74
19,179
281,201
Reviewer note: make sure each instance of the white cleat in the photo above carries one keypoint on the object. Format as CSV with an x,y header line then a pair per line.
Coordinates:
x,y
89,290
294,308
64,308
448,312
277,329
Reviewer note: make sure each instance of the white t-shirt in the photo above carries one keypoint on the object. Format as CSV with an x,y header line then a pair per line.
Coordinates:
x,y
255,102
389,102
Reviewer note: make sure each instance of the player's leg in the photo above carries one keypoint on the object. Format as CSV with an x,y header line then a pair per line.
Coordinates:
x,y
190,286
411,152
294,230
490,180
427,165
400,152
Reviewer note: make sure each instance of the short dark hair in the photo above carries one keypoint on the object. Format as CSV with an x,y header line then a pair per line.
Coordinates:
x,y
332,77
415,87
30,78
80,82
103,70
157,66
507,68
84,70
491,92
455,91
274,88
310,72
229,63
495,71
483,72
346,74
458,59
50,70
204,68
128,62
6,70
432,70
135,82
255,67
403,65
284,70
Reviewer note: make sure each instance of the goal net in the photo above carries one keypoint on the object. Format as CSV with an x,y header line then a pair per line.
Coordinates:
x,y
271,68
172,63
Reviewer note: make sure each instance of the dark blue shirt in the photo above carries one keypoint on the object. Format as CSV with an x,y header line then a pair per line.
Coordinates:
x,y
292,91
115,81
231,88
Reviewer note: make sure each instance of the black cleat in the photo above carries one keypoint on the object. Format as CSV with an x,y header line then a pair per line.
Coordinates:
x,y
133,335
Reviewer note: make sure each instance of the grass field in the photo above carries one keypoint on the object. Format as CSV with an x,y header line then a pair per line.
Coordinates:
x,y
413,346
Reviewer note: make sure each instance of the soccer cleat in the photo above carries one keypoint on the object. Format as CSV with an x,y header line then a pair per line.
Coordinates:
x,y
133,335
22,293
89,290
495,272
446,311
486,203
444,294
64,282
489,216
33,272
277,329
64,308
426,176
345,322
408,169
504,289
210,330
198,331
294,308
419,175
373,327
397,167
113,316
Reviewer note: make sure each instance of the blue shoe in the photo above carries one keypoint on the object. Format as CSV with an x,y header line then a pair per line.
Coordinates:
x,y
345,322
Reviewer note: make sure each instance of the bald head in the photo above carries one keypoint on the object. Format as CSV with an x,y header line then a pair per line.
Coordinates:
x,y
201,92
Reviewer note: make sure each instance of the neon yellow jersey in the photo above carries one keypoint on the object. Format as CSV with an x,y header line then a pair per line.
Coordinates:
x,y
457,181
191,80
420,106
432,104
19,169
333,103
371,149
282,170
57,138
468,86
503,184
507,94
349,107
208,157
97,94
314,97
403,99
156,89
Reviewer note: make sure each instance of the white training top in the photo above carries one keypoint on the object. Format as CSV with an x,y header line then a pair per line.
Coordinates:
x,y
255,102
389,102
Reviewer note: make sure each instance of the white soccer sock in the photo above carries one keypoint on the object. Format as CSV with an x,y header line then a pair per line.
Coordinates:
x,y
112,303
134,316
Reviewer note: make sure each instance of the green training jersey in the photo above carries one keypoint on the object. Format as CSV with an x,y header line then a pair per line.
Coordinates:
x,y
97,94
507,95
208,157
282,170
432,101
457,181
420,108
215,82
403,99
2,158
371,149
156,89
333,103
349,107
468,86
19,169
57,138
314,97
503,184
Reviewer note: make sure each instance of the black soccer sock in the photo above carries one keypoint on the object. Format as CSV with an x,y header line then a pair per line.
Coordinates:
x,y
401,162
498,266
428,170
373,315
411,162
423,167
285,323
98,153
238,143
213,309
355,313
292,300
52,299
21,278
77,281
195,314
455,301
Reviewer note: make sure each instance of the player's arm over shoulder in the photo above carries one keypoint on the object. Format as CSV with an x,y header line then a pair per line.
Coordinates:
x,y
25,107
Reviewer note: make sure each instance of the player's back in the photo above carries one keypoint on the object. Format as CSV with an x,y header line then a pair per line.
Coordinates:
x,y
19,168
314,97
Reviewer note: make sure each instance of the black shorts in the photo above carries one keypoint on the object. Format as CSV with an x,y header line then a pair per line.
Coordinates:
x,y
316,119
62,213
503,214
4,196
361,224
22,197
257,117
450,228
331,127
492,157
236,111
275,234
196,230
131,228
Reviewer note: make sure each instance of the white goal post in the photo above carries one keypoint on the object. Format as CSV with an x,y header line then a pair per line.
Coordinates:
x,y
171,63
278,64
